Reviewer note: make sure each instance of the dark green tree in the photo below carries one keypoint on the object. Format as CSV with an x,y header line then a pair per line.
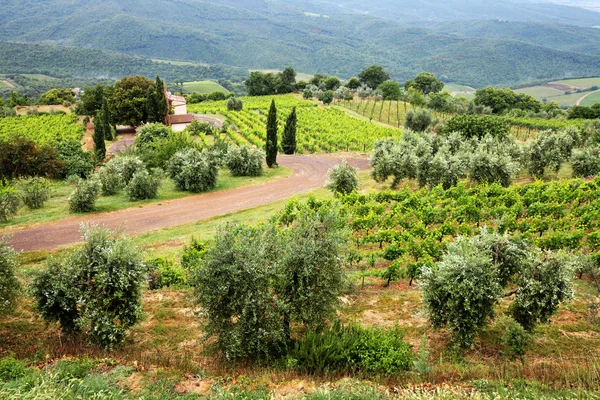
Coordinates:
x,y
106,125
128,100
271,146
390,90
288,142
353,83
98,137
287,81
374,76
426,83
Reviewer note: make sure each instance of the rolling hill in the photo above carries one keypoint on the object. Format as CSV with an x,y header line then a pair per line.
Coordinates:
x,y
260,34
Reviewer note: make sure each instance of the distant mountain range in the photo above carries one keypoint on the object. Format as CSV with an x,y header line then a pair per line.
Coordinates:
x,y
459,40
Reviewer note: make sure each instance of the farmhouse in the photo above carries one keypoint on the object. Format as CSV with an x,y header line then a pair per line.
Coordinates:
x,y
180,119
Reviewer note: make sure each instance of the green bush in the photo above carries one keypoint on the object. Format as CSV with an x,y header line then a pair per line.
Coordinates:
x,y
158,153
150,133
193,170
234,104
244,161
418,120
193,254
515,339
9,284
9,202
164,273
75,160
353,349
199,128
95,290
67,370
144,185
586,163
11,369
110,178
84,196
126,166
34,192
343,179
477,126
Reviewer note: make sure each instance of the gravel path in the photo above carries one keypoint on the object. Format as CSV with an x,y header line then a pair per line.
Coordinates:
x,y
310,172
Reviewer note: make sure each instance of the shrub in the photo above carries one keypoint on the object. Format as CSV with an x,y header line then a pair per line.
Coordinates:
x,y
515,339
353,349
343,179
193,254
193,170
9,202
256,282
75,161
418,120
11,369
164,273
158,153
477,126
34,192
9,284
95,290
586,163
126,166
244,161
150,133
198,128
550,150
110,178
144,185
83,198
23,157
234,104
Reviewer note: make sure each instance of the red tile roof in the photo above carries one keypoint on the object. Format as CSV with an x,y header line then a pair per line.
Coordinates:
x,y
181,119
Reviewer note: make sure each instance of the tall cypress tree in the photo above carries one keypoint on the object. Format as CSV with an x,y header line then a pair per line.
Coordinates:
x,y
271,146
288,142
162,108
151,110
106,126
98,137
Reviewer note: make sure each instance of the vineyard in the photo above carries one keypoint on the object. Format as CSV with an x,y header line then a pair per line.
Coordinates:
x,y
411,228
394,113
43,129
319,129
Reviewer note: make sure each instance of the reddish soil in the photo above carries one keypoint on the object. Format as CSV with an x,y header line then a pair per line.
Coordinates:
x,y
310,172
205,118
124,141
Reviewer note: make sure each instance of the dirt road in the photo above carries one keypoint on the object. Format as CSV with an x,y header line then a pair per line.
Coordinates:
x,y
310,172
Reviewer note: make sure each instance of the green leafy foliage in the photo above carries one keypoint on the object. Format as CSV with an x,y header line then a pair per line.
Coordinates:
x,y
144,185
95,290
349,349
10,286
194,171
11,369
343,178
9,201
234,104
549,151
274,277
288,141
586,163
244,161
110,178
151,133
271,147
425,83
84,196
418,120
164,273
126,166
471,126
34,192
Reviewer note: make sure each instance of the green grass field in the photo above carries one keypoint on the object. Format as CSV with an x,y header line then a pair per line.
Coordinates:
x,y
300,76
592,99
457,87
584,83
204,87
540,92
173,62
39,77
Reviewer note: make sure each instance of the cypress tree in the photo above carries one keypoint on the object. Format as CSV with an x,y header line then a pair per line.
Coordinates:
x,y
150,105
288,142
106,126
98,137
162,108
271,146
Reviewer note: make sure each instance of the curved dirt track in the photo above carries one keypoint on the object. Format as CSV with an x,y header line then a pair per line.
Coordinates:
x,y
310,172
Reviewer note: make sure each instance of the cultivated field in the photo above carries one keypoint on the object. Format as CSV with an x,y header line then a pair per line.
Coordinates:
x,y
556,91
204,87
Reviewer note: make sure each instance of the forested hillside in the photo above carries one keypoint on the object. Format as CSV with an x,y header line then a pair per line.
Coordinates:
x,y
269,35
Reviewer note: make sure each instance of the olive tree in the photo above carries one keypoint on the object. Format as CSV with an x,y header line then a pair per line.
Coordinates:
x,y
244,161
9,284
462,291
549,150
256,282
418,120
343,178
94,290
193,170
